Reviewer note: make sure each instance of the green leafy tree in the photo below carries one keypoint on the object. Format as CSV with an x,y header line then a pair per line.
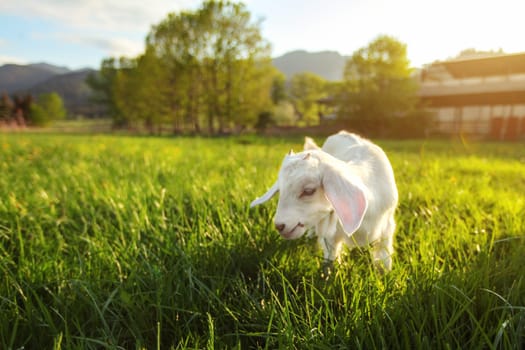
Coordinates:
x,y
278,96
177,42
153,90
103,83
377,86
49,107
252,91
6,107
140,91
279,92
125,93
38,115
208,66
217,62
305,90
243,62
284,114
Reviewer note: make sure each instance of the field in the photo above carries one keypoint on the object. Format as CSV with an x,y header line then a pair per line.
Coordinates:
x,y
149,243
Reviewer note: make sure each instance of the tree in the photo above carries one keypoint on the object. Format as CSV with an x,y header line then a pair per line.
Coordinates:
x,y
217,63
279,92
6,108
377,86
140,91
22,109
242,62
284,114
38,116
124,90
102,84
49,107
305,90
177,43
204,67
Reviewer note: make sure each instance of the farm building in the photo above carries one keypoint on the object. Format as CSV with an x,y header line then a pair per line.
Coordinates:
x,y
483,97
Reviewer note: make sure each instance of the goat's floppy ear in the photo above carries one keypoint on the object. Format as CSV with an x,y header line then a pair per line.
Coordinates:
x,y
269,194
309,144
346,196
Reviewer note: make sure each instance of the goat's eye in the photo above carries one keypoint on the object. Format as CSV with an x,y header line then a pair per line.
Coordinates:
x,y
308,192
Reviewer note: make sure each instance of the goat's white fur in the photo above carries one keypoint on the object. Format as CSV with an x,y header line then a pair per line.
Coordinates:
x,y
345,190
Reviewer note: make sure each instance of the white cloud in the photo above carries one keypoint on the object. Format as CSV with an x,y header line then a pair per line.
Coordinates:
x,y
11,59
116,27
111,46
4,59
116,15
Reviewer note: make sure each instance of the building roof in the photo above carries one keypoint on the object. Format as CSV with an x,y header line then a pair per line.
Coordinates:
x,y
491,93
485,66
447,83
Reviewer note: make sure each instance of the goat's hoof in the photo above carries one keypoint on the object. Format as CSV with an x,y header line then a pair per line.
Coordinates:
x,y
327,268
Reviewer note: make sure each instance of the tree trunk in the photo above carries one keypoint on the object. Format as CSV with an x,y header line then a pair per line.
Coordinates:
x,y
215,97
228,112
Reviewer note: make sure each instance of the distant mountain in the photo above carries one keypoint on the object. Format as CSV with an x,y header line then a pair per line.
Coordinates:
x,y
39,78
14,77
327,64
50,68
72,87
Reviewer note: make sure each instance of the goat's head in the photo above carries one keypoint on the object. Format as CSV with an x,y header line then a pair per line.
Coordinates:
x,y
312,184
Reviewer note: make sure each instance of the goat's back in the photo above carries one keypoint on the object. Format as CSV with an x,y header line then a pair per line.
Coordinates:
x,y
368,161
351,148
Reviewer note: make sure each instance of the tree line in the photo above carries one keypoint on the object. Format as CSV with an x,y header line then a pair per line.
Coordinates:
x,y
210,71
207,70
24,110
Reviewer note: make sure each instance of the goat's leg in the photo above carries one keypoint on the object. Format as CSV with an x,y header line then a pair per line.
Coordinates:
x,y
331,248
383,249
382,252
328,237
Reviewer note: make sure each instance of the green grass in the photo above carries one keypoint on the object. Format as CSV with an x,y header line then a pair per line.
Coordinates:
x,y
115,242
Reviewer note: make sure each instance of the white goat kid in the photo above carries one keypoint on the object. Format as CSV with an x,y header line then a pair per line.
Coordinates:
x,y
345,190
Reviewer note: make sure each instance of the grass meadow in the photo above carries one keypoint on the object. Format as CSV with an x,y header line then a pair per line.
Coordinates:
x,y
149,243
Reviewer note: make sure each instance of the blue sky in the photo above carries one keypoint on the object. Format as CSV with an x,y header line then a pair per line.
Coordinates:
x,y
80,33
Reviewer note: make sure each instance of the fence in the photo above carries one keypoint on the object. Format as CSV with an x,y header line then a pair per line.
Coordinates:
x,y
496,128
